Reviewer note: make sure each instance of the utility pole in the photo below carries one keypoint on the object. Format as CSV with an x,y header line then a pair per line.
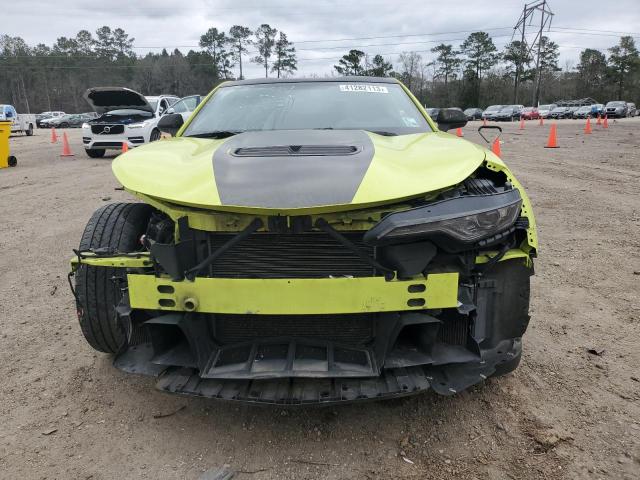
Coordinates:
x,y
526,18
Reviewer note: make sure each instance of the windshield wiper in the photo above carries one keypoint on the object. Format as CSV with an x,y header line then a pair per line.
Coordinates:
x,y
216,134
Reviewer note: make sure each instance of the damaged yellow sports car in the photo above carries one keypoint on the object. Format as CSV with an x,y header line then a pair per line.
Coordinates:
x,y
310,242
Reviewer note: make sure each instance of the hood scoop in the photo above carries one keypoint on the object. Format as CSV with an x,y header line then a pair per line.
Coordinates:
x,y
297,150
284,169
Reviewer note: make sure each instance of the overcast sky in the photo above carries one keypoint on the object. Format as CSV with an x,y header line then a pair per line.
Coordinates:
x,y
316,26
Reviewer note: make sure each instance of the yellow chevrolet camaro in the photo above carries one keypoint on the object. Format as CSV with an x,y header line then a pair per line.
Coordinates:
x,y
310,241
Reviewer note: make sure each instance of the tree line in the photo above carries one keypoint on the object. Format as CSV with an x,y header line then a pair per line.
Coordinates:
x,y
474,73
43,77
477,74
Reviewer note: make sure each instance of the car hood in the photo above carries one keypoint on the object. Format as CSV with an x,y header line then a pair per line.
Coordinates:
x,y
105,99
297,171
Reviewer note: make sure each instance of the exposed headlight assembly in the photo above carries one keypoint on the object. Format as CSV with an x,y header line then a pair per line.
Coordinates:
x,y
453,224
85,125
137,125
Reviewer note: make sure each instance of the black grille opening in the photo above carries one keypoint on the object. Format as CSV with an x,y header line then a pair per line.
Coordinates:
x,y
273,255
346,329
107,129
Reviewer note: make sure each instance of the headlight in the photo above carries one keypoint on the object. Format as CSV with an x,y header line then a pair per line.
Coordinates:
x,y
85,125
453,224
137,125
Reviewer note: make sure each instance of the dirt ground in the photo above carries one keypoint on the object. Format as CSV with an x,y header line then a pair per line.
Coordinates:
x,y
572,409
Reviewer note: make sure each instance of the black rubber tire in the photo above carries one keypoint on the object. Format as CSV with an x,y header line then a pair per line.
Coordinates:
x,y
63,125
12,161
95,152
117,226
29,131
155,135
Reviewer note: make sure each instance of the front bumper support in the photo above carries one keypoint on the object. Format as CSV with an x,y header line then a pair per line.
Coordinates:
x,y
301,296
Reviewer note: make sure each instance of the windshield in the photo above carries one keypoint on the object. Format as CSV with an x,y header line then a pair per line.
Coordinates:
x,y
470,110
493,108
559,109
152,103
615,104
584,109
507,109
310,105
546,107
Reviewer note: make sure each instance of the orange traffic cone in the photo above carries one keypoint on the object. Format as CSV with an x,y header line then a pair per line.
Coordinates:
x,y
495,147
587,127
459,132
54,135
553,138
66,149
484,122
125,147
605,123
599,121
541,122
521,123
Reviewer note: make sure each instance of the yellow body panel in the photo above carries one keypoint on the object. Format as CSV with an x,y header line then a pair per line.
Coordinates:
x,y
292,296
405,166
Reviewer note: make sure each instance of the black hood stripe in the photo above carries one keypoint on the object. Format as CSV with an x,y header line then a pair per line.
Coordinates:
x,y
328,176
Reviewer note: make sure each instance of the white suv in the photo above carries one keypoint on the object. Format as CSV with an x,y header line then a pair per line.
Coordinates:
x,y
125,116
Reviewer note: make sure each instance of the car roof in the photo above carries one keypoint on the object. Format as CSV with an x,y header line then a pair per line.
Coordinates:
x,y
259,81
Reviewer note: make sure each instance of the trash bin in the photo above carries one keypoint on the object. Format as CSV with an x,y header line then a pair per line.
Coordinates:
x,y
6,160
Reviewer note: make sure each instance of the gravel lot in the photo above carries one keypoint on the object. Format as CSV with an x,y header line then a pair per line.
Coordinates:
x,y
565,413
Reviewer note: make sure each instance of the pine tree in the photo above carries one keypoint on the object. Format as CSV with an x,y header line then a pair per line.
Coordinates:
x,y
285,57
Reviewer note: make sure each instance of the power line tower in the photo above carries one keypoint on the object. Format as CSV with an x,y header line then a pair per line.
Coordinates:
x,y
529,12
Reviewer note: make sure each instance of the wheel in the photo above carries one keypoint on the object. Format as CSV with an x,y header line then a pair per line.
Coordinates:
x,y
29,131
95,152
117,226
64,125
155,135
12,161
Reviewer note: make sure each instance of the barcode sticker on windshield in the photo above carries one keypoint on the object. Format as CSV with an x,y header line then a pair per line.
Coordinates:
x,y
363,88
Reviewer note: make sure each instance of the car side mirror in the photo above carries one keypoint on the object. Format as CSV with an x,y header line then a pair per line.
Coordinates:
x,y
170,123
449,118
170,110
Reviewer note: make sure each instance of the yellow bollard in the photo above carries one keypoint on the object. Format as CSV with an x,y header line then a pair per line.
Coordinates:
x,y
6,160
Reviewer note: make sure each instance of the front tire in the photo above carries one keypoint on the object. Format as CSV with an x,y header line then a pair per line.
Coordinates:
x,y
155,135
117,227
95,152
64,125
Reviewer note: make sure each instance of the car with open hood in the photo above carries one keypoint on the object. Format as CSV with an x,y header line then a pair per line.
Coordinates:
x,y
125,116
310,241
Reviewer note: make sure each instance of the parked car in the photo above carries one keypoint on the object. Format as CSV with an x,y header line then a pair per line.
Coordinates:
x,y
126,116
631,109
597,109
571,111
20,122
559,112
508,113
473,113
433,112
616,108
185,106
45,116
530,113
491,111
583,112
545,110
270,256
68,121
